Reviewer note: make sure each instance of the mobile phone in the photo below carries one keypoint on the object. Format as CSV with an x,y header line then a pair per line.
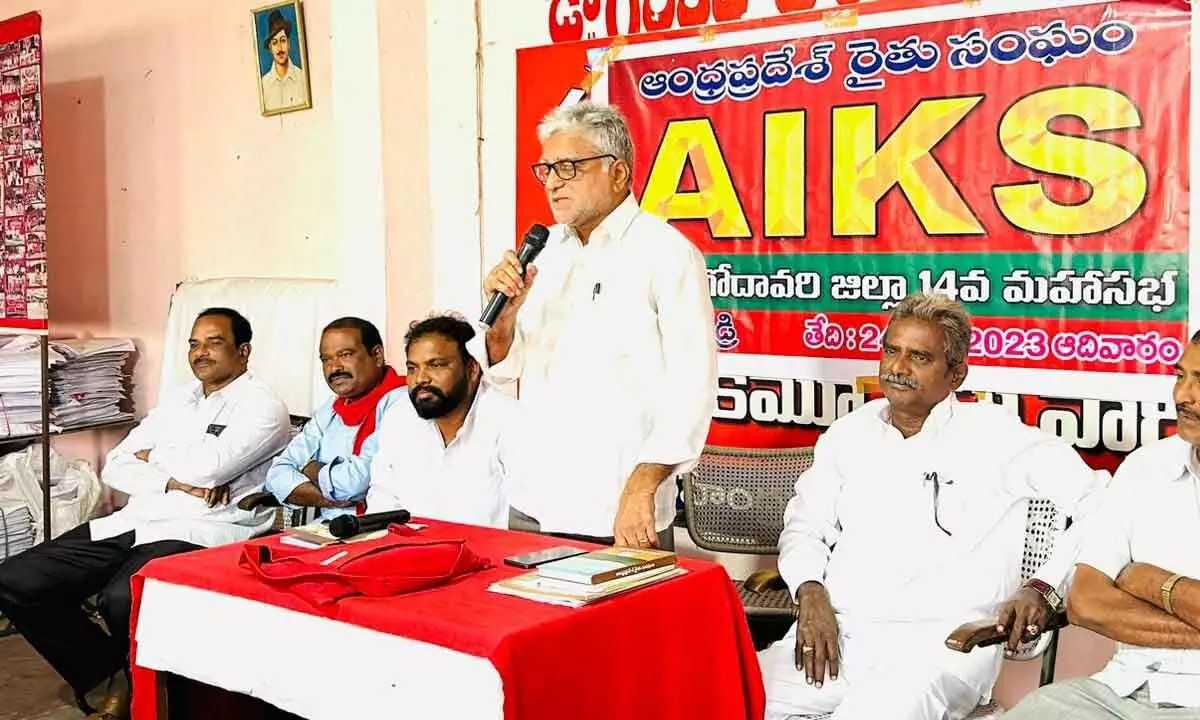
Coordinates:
x,y
533,559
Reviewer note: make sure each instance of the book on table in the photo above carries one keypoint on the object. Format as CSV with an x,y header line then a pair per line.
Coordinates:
x,y
533,586
601,566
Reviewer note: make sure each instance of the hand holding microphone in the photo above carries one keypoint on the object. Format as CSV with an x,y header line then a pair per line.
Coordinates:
x,y
509,282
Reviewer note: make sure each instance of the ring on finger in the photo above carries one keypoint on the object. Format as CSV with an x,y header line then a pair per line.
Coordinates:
x,y
807,649
1031,629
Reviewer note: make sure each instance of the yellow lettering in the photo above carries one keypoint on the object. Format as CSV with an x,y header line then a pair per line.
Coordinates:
x,y
864,173
714,199
783,174
1116,176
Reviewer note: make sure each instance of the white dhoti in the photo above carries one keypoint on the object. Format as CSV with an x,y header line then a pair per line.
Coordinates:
x,y
892,671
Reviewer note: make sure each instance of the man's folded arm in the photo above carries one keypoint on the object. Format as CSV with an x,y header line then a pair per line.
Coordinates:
x,y
255,431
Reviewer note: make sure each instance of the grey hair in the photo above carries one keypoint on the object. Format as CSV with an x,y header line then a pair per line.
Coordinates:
x,y
603,125
947,314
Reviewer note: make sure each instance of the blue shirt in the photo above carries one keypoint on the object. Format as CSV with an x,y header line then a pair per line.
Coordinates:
x,y
344,476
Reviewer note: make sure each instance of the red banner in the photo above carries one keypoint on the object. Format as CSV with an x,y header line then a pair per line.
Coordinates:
x,y
1032,164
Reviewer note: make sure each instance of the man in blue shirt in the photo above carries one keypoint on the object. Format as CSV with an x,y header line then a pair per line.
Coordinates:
x,y
328,464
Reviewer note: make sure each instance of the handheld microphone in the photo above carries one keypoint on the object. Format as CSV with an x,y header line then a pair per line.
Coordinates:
x,y
344,526
531,245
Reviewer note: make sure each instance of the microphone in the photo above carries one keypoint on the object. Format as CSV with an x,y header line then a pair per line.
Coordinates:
x,y
531,245
344,526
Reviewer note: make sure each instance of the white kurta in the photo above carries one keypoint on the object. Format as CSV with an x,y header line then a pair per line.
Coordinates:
x,y
616,358
863,522
225,438
462,482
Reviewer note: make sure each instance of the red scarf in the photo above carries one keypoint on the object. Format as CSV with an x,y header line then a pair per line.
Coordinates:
x,y
360,411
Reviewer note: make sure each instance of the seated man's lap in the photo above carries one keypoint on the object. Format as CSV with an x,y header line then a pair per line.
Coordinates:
x,y
880,677
68,568
1087,699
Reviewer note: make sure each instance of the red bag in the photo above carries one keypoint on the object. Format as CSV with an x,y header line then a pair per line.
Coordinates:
x,y
391,565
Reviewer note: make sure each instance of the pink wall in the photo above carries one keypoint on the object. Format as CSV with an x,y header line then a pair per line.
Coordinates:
x,y
404,88
160,168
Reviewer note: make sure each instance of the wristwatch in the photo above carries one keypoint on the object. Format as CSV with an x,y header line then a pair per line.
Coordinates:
x,y
1048,592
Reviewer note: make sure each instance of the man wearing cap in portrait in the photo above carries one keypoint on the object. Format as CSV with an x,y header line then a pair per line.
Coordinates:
x,y
283,85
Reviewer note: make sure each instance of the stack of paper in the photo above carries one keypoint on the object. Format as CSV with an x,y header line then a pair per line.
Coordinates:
x,y
21,384
91,385
88,379
16,530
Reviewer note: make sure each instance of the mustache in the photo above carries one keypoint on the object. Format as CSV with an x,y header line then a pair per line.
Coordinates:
x,y
339,374
894,379
1190,410
436,392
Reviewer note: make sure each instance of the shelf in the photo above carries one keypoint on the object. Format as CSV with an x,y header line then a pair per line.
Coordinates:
x,y
34,437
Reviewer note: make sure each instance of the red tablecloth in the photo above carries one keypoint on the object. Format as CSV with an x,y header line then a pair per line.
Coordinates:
x,y
679,649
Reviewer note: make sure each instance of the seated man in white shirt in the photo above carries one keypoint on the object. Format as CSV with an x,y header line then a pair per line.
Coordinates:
x,y
205,445
328,465
440,455
1138,582
910,522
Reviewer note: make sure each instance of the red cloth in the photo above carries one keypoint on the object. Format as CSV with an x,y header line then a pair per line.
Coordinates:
x,y
360,412
677,650
392,565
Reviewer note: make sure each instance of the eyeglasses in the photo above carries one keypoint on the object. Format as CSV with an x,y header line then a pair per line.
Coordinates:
x,y
937,487
564,169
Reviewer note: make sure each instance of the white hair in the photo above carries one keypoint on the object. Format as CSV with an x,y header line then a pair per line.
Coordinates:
x,y
947,314
603,125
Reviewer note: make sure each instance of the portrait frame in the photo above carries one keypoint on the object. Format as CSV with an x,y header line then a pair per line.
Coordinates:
x,y
277,96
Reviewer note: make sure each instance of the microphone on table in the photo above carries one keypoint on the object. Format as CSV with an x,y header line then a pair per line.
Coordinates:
x,y
531,245
344,526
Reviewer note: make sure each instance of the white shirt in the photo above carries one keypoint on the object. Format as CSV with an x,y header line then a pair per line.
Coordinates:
x,y
286,91
616,358
462,482
863,522
207,442
1152,516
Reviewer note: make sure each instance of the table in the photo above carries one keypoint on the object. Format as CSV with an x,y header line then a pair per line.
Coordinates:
x,y
679,649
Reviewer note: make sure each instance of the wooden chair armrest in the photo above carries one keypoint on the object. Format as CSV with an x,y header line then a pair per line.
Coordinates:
x,y
983,633
761,581
253,501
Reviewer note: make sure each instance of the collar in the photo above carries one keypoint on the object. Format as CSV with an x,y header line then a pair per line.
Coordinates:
x,y
939,415
613,226
198,388
1190,464
469,420
289,75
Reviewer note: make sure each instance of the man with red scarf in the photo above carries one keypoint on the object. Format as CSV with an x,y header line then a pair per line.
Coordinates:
x,y
328,464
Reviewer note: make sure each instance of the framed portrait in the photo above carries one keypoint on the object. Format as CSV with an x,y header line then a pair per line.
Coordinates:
x,y
282,58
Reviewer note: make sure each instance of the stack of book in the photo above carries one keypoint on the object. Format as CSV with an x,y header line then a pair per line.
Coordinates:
x,y
587,578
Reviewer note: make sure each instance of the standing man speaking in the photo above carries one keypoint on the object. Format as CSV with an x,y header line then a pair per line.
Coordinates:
x,y
611,338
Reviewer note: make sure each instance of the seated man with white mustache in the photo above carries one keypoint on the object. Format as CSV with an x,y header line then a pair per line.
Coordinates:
x,y
440,456
910,522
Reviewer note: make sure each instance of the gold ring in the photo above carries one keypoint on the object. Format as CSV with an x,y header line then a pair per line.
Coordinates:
x,y
807,649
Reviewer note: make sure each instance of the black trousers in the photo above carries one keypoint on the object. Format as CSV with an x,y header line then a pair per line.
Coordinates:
x,y
43,588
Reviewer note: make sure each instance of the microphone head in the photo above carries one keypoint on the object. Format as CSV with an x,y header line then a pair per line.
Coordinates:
x,y
343,526
532,244
537,235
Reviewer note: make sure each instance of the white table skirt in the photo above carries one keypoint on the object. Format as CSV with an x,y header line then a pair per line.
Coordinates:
x,y
311,666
